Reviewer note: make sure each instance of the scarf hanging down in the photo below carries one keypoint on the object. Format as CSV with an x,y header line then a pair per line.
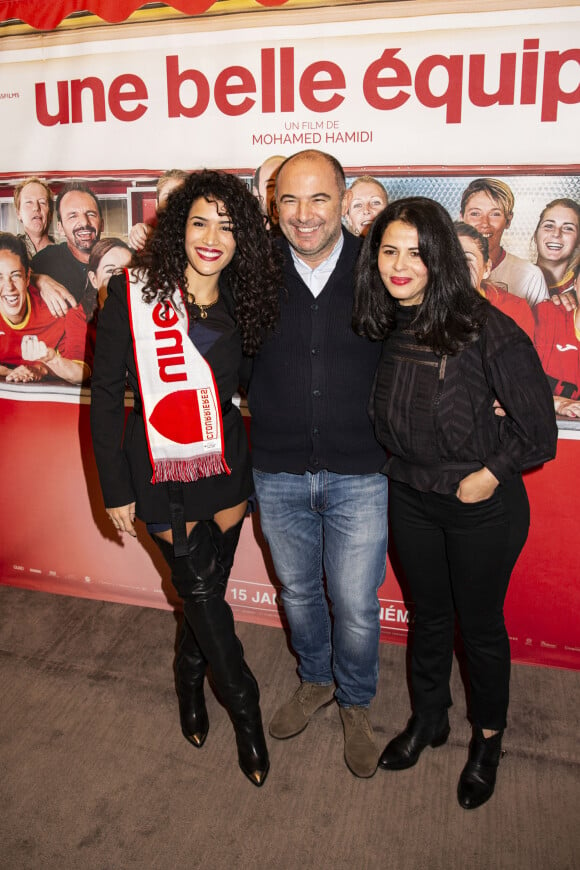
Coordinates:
x,y
181,406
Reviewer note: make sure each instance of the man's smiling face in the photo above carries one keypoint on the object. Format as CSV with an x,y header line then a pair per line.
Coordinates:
x,y
310,205
80,222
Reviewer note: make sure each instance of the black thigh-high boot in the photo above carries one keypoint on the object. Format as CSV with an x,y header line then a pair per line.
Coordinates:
x,y
247,719
190,670
203,576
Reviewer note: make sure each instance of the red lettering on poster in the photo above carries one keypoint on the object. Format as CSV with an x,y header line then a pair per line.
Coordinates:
x,y
175,79
553,94
312,81
451,96
376,79
225,86
440,81
126,89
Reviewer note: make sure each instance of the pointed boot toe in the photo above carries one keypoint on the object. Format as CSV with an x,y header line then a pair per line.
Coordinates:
x,y
256,777
252,750
193,716
196,738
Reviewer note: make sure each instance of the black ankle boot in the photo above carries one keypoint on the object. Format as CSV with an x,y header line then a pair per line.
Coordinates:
x,y
211,619
190,668
422,730
477,780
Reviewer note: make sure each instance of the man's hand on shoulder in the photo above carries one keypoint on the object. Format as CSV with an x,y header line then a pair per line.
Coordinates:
x,y
54,295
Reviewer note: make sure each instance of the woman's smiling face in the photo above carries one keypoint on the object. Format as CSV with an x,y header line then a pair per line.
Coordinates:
x,y
209,238
557,235
13,287
401,268
366,200
488,217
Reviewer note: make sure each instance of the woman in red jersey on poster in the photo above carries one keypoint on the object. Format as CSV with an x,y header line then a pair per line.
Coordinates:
x,y
557,237
476,251
34,345
557,340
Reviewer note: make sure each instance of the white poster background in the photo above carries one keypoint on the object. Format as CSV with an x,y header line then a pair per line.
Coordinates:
x,y
413,134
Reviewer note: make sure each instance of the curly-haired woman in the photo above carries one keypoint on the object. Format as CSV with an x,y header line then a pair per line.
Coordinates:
x,y
204,289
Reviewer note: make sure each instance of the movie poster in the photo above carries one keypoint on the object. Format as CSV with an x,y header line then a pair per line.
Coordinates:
x,y
425,105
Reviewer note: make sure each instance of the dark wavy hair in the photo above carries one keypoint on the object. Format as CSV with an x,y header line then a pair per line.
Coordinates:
x,y
10,242
463,229
451,314
253,274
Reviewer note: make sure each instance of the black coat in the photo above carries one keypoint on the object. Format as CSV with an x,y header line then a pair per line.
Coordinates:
x,y
122,453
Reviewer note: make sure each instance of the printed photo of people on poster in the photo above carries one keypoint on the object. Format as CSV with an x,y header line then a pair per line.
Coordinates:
x,y
59,247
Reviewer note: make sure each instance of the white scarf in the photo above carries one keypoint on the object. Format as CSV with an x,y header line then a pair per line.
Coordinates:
x,y
181,406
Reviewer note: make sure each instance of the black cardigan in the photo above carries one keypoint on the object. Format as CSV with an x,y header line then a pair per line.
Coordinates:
x,y
312,380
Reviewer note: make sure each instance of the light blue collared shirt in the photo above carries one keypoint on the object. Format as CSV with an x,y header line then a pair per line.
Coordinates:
x,y
315,279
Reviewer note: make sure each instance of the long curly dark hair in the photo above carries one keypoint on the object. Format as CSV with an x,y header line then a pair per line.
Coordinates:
x,y
452,313
253,274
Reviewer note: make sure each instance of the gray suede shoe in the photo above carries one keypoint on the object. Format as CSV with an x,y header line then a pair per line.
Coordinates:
x,y
360,751
293,716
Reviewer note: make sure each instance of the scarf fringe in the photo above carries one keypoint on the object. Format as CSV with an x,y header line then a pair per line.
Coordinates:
x,y
189,470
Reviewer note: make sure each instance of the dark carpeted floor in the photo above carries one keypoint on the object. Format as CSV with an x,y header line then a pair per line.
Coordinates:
x,y
95,775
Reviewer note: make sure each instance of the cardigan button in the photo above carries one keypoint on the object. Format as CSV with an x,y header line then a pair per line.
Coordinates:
x,y
316,394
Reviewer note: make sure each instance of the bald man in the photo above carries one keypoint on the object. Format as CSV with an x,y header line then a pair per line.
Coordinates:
x,y
323,500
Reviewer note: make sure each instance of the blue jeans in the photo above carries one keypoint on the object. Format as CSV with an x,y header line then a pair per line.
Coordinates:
x,y
333,525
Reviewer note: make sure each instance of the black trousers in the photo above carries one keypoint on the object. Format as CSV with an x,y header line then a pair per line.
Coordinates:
x,y
458,559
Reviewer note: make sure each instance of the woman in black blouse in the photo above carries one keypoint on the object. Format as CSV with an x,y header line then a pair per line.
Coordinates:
x,y
458,507
203,290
